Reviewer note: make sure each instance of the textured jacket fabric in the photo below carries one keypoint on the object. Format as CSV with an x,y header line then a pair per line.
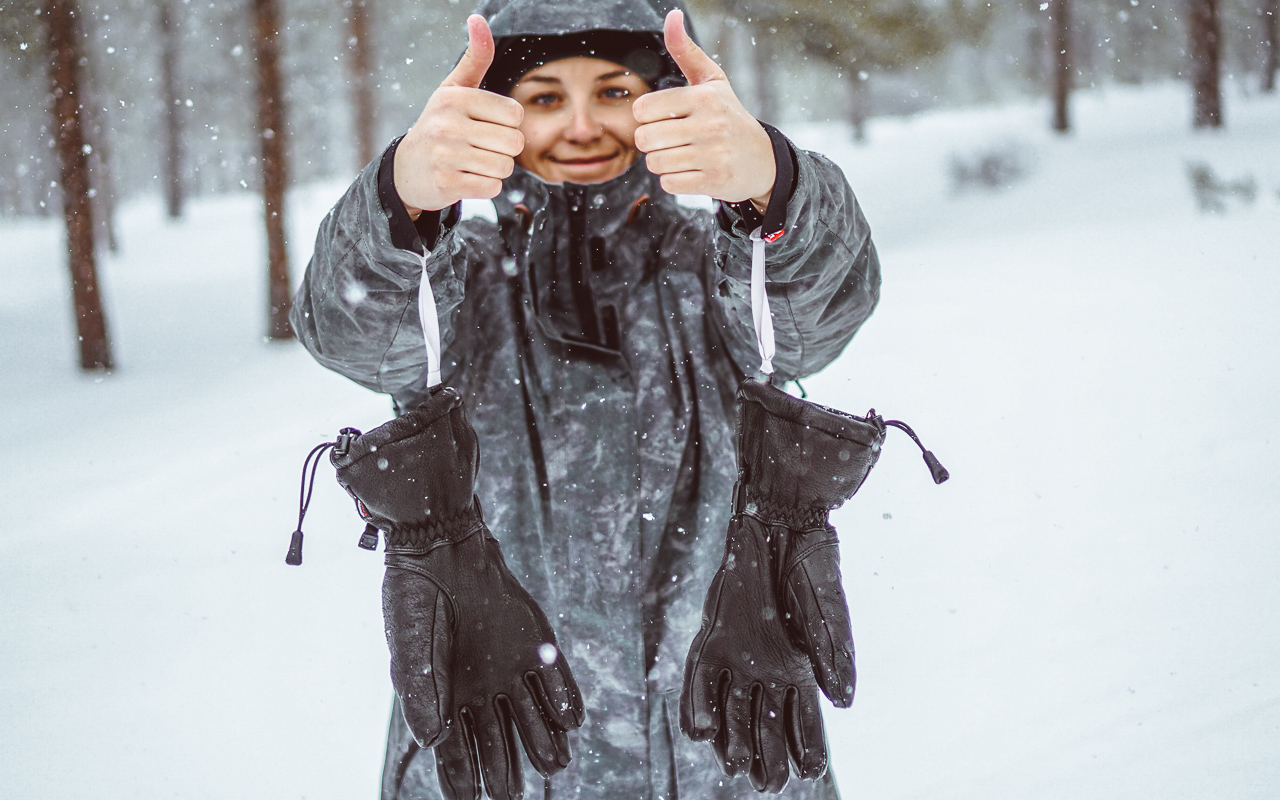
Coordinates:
x,y
598,335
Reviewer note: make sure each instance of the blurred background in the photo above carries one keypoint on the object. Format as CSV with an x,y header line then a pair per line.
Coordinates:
x,y
1077,208
170,87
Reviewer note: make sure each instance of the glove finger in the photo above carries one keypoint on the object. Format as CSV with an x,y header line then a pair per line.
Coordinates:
x,y
769,742
700,696
732,744
806,740
557,694
415,614
500,763
699,693
546,745
820,615
458,763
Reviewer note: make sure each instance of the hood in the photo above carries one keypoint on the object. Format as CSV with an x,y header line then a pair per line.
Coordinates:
x,y
560,17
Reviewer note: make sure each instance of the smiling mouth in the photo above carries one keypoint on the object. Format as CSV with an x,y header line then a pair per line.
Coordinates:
x,y
586,161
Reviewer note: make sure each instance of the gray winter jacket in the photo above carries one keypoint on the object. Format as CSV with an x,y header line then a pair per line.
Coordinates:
x,y
598,334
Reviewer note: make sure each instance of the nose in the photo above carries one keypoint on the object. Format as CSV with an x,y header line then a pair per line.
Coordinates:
x,y
583,126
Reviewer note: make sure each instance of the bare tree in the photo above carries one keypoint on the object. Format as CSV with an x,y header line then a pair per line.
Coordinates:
x,y
65,54
1271,64
170,36
1063,68
274,177
1206,62
360,69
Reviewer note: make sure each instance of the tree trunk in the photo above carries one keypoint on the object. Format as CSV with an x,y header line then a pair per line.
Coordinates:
x,y
1206,61
766,67
1062,66
65,53
169,42
360,65
1271,62
274,177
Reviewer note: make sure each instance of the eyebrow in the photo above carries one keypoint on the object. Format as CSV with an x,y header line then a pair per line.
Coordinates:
x,y
548,79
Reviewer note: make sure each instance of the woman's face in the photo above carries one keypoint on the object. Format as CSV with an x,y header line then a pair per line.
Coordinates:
x,y
578,125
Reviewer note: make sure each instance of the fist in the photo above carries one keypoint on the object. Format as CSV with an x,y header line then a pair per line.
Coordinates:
x,y
465,142
699,138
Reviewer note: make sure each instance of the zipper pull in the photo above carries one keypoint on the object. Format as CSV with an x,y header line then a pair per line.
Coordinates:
x,y
936,469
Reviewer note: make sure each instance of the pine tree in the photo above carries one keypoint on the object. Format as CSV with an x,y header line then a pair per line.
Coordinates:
x,y
360,69
1063,69
1206,62
170,36
271,127
1271,59
65,49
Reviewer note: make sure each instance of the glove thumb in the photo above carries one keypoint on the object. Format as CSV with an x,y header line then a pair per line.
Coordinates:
x,y
416,615
820,619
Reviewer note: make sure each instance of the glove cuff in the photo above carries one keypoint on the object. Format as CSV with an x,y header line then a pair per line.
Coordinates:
x,y
798,518
418,538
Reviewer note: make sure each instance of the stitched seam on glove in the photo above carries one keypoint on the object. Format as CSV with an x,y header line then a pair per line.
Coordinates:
x,y
792,516
420,539
803,554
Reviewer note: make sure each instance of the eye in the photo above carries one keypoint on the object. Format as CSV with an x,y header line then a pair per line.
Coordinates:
x,y
615,93
544,100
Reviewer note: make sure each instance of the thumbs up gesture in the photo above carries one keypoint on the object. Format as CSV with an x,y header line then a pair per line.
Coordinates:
x,y
466,140
698,137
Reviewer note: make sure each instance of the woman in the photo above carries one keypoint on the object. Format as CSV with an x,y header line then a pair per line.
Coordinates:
x,y
597,333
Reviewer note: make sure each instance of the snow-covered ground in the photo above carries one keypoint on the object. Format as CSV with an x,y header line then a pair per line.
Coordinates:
x,y
1088,609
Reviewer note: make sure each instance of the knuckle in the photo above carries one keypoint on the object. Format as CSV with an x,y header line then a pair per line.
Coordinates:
x,y
515,111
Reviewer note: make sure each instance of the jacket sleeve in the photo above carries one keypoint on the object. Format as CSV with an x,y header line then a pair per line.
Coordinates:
x,y
356,311
823,274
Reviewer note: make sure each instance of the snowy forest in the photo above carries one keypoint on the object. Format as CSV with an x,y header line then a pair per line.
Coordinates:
x,y
104,102
1076,207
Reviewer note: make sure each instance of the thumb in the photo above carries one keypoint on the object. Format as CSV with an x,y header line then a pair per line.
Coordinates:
x,y
696,65
478,58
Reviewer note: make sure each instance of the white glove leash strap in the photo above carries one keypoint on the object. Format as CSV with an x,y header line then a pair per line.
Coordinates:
x,y
760,313
430,327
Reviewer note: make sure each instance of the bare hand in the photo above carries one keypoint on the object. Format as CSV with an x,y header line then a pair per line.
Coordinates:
x,y
465,142
698,137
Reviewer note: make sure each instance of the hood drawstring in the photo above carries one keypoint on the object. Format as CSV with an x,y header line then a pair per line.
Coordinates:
x,y
340,447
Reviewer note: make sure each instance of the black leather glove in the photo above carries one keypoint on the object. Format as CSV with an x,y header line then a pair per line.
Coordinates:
x,y
473,658
775,626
